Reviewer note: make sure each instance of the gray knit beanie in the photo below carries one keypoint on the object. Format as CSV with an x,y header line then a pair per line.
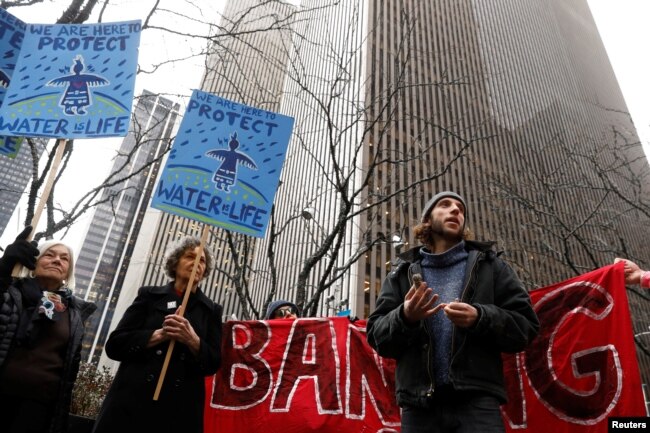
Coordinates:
x,y
436,198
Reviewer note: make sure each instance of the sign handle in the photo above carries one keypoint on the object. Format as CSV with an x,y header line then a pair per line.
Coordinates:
x,y
186,297
59,149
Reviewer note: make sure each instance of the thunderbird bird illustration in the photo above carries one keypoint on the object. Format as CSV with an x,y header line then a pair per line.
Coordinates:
x,y
226,175
77,95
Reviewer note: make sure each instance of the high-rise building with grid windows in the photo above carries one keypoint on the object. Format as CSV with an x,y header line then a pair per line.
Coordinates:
x,y
15,174
108,246
512,104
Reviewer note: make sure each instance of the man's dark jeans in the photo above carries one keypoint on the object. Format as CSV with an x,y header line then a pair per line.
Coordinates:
x,y
457,413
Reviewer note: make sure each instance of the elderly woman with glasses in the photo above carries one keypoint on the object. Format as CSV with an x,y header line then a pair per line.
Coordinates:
x,y
41,329
141,339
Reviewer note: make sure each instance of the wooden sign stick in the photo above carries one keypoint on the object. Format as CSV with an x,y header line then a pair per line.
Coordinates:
x,y
58,156
181,312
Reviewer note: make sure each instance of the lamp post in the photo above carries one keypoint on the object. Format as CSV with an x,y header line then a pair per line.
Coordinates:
x,y
397,241
308,213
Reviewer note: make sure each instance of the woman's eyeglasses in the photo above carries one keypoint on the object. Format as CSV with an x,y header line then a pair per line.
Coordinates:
x,y
283,312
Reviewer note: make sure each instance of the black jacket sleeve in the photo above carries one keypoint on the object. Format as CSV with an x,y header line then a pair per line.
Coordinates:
x,y
386,330
510,322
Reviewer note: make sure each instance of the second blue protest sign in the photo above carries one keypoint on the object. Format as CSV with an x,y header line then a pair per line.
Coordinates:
x,y
225,164
12,33
73,81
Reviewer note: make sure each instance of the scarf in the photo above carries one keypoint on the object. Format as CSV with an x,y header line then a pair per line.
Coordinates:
x,y
39,305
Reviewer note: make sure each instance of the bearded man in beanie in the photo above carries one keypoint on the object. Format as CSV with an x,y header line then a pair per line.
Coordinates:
x,y
448,329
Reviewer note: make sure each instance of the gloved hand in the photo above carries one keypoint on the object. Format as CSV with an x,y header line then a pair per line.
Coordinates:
x,y
20,251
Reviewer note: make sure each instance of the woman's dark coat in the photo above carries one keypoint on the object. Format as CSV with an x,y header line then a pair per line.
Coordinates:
x,y
11,307
129,404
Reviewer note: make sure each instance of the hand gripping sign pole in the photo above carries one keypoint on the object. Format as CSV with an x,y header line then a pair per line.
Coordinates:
x,y
181,311
58,156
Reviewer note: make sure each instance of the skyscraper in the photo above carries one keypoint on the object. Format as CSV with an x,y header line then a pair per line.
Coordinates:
x,y
109,242
512,104
15,174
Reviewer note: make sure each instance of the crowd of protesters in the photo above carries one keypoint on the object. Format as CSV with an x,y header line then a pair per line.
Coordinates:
x,y
446,312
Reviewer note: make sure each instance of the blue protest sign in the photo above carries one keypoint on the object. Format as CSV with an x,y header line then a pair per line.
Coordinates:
x,y
225,164
12,32
9,146
73,81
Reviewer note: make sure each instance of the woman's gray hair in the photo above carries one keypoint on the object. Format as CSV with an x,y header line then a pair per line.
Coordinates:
x,y
178,248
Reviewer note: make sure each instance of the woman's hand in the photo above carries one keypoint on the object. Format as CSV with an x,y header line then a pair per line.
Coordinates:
x,y
632,271
178,328
158,336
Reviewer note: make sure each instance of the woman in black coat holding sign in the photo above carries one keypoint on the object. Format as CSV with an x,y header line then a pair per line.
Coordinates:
x,y
140,342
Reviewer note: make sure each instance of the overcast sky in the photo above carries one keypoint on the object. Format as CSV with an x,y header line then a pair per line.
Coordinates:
x,y
623,25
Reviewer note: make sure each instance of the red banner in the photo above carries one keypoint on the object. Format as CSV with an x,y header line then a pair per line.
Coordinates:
x,y
320,375
306,375
582,367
